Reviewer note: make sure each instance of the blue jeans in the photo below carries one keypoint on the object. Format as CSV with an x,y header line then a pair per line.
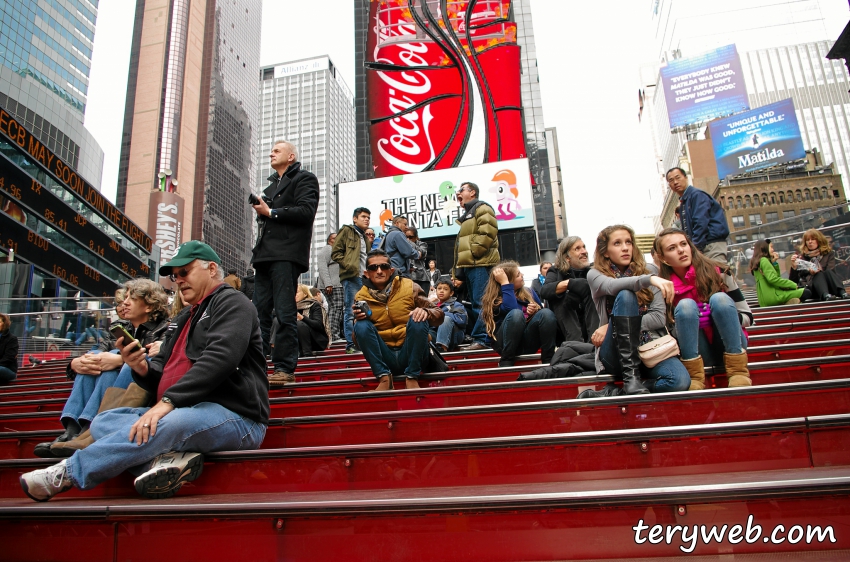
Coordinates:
x,y
728,334
87,393
669,375
350,288
515,336
476,279
274,290
406,360
447,334
7,374
202,428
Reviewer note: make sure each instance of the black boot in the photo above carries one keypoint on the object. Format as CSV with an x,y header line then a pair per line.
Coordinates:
x,y
610,389
627,340
72,429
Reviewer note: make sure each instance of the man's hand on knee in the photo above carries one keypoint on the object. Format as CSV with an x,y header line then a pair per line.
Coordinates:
x,y
419,314
145,426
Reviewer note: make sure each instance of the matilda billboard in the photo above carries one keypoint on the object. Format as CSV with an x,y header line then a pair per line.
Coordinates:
x,y
429,200
704,87
757,139
443,85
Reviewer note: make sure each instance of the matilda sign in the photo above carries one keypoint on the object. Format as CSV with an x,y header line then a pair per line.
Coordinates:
x,y
757,139
429,200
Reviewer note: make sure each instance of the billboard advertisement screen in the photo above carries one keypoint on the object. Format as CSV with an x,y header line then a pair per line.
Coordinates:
x,y
429,202
757,139
704,87
443,87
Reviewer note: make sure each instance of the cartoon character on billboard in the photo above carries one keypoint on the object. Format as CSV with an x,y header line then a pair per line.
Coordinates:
x,y
447,191
386,220
506,195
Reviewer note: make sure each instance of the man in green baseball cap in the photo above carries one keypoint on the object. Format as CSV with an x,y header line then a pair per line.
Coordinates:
x,y
195,281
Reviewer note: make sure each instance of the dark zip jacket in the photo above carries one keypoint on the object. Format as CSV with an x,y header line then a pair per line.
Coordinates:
x,y
226,351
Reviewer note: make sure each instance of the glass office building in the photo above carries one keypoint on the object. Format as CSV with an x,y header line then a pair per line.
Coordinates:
x,y
45,62
307,103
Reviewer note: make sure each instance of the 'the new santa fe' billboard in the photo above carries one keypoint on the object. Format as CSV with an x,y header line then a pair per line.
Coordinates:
x,y
429,200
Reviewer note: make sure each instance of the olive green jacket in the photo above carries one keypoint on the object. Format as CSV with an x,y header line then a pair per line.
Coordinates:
x,y
477,243
346,252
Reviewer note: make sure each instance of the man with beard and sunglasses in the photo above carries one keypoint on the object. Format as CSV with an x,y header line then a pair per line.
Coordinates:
x,y
392,320
209,379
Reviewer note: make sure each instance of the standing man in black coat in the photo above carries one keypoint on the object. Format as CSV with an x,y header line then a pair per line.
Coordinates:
x,y
285,215
567,292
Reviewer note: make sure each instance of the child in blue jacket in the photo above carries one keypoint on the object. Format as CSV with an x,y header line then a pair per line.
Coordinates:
x,y
450,333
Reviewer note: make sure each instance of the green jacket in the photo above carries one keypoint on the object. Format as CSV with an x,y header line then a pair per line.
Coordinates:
x,y
346,252
772,289
477,243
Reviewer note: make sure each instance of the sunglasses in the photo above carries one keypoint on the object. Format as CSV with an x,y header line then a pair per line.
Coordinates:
x,y
377,266
183,272
370,234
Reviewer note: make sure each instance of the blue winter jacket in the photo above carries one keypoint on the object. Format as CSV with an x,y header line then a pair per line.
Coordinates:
x,y
703,219
454,310
400,250
509,303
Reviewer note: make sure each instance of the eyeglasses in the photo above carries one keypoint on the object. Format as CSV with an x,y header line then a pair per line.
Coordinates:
x,y
381,266
183,272
370,234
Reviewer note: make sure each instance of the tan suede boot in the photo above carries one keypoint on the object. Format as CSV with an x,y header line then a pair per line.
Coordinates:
x,y
696,369
384,383
134,397
111,398
736,369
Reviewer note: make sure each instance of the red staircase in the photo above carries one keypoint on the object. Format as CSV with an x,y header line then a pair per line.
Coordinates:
x,y
480,466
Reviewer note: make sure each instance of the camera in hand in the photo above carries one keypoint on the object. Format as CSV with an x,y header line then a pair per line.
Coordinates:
x,y
254,200
363,307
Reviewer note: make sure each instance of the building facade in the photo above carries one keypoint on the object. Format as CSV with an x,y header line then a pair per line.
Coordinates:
x,y
45,63
531,123
191,117
307,103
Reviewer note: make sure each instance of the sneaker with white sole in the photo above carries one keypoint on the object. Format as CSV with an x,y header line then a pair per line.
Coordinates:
x,y
168,473
43,484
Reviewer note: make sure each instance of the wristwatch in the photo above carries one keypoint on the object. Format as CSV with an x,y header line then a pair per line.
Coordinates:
x,y
167,400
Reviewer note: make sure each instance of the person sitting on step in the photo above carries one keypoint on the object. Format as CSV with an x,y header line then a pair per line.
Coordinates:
x,y
710,311
312,322
514,317
8,351
143,305
773,289
211,387
392,328
631,301
450,333
813,267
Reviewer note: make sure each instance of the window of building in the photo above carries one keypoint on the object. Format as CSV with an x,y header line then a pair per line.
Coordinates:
x,y
788,214
739,238
755,220
738,221
771,217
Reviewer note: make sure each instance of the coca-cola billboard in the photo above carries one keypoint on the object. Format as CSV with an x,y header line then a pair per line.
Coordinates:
x,y
443,88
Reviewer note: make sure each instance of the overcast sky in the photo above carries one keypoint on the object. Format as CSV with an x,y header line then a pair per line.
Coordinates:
x,y
588,59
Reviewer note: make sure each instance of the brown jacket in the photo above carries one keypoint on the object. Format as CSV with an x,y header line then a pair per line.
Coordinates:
x,y
233,281
391,318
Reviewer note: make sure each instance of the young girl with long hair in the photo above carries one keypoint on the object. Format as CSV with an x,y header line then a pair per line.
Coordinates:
x,y
771,288
631,301
514,317
312,323
710,311
821,281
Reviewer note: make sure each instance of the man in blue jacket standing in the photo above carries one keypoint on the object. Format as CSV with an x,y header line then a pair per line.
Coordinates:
x,y
703,219
399,248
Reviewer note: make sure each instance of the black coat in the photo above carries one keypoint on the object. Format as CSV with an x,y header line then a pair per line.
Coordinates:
x,y
248,286
574,309
9,352
287,237
573,359
148,332
314,318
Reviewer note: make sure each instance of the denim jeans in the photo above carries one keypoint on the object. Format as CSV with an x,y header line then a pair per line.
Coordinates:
x,y
447,334
407,360
476,279
669,375
202,428
7,375
87,393
515,336
274,290
350,286
728,334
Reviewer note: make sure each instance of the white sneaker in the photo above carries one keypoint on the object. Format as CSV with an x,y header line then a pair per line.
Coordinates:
x,y
43,484
167,474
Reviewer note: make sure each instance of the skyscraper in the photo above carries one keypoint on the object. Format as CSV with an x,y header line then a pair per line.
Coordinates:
x,y
495,24
782,49
190,122
307,103
45,62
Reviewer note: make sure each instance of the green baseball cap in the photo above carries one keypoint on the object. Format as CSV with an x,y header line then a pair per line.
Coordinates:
x,y
187,253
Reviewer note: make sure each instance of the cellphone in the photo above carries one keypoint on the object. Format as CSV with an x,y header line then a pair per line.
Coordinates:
x,y
363,307
120,331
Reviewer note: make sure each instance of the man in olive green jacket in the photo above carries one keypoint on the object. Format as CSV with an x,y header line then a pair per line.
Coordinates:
x,y
349,251
476,251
